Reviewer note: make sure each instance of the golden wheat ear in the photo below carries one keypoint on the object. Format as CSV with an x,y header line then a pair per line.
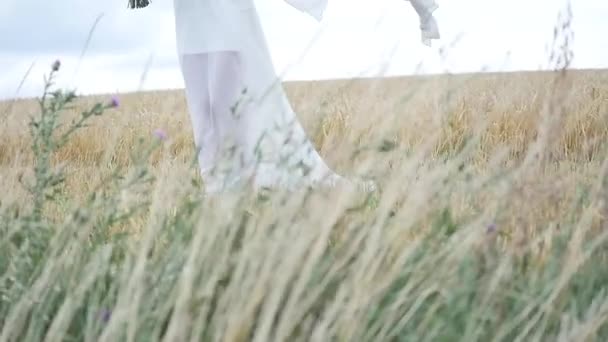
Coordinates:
x,y
138,3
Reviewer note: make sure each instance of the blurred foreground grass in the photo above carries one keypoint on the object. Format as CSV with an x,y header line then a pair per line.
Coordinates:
x,y
491,225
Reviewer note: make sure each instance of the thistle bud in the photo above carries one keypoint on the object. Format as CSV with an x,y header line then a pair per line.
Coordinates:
x,y
56,65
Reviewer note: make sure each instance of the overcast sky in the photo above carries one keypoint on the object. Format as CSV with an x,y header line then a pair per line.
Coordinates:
x,y
355,38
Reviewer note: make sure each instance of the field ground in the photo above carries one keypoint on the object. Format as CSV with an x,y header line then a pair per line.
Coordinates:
x,y
496,164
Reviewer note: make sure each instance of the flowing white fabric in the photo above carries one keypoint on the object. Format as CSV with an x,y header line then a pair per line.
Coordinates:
x,y
240,114
428,24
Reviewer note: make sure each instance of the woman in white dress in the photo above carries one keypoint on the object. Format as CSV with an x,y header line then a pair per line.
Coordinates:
x,y
244,127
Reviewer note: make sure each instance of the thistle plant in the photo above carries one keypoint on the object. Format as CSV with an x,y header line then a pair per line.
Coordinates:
x,y
46,141
36,252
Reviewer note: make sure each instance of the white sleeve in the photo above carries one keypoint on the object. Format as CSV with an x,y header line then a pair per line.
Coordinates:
x,y
428,24
315,8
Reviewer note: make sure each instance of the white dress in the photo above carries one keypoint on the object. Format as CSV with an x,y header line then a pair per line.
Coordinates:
x,y
219,25
278,149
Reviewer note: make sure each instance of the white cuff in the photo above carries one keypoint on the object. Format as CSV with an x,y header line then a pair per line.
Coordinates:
x,y
315,8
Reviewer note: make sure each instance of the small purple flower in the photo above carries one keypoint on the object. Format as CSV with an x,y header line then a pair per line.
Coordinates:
x,y
114,102
491,228
160,134
56,65
105,315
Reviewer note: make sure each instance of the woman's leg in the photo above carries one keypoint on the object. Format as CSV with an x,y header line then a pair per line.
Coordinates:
x,y
195,70
228,109
213,84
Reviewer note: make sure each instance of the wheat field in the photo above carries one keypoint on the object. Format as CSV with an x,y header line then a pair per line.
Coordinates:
x,y
432,116
490,223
